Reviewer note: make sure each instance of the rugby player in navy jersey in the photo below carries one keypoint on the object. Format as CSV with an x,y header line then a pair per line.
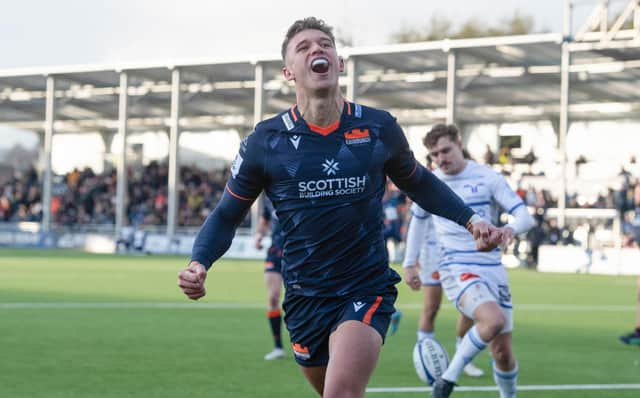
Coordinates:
x,y
272,275
323,164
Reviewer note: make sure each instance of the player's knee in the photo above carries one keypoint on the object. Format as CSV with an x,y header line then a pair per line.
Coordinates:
x,y
502,355
273,303
491,326
431,310
342,388
496,323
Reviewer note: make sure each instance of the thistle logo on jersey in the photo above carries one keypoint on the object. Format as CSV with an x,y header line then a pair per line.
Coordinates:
x,y
330,166
357,136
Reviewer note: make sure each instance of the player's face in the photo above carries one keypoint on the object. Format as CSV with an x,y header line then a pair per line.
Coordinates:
x,y
448,156
312,61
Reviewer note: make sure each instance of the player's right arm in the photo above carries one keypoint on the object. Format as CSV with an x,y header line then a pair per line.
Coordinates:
x,y
217,232
415,239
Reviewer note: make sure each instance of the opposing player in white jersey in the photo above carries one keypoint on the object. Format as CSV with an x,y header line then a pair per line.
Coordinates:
x,y
420,266
476,282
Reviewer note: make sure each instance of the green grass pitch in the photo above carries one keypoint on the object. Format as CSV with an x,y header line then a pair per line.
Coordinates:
x,y
142,338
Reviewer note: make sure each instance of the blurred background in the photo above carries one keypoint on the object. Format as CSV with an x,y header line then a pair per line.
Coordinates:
x,y
118,123
119,120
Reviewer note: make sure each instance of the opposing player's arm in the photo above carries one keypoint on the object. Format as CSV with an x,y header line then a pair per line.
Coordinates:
x,y
522,221
420,184
429,192
244,186
415,238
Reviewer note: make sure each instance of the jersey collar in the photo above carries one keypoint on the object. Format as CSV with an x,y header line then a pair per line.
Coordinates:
x,y
324,131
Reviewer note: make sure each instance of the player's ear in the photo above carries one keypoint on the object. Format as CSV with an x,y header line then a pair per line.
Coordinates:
x,y
341,64
288,75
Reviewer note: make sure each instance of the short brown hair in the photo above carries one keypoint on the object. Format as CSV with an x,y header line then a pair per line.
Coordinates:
x,y
441,130
305,24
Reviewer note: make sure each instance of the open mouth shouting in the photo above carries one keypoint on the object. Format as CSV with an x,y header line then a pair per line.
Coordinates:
x,y
320,65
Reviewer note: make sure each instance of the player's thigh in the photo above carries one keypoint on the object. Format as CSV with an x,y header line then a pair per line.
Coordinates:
x,y
354,348
315,375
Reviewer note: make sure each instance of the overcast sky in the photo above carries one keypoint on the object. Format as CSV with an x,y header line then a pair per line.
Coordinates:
x,y
80,32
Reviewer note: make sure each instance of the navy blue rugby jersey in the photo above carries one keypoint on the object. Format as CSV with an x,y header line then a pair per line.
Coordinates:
x,y
326,185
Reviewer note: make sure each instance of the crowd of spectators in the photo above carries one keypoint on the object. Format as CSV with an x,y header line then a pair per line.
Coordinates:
x,y
84,197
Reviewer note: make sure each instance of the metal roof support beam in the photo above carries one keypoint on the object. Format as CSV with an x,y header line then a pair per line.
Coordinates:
x,y
258,97
50,109
563,127
258,115
352,79
451,87
619,23
121,153
174,140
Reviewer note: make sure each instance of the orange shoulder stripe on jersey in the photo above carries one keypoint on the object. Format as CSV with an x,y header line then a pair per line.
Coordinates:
x,y
235,195
415,167
293,112
348,107
367,317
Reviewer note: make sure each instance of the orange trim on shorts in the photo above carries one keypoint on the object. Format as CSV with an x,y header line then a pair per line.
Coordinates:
x,y
468,275
274,313
367,317
235,195
300,349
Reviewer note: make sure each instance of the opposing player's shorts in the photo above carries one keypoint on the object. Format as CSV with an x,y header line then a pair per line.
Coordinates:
x,y
457,279
273,262
310,321
429,258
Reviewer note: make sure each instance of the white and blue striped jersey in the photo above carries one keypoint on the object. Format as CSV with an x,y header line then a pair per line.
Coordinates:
x,y
486,192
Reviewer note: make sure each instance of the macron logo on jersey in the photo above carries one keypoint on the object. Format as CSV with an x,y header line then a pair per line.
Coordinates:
x,y
358,305
295,140
330,167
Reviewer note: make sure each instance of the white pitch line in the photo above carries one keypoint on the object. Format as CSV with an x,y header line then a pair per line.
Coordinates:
x,y
202,306
129,305
549,307
559,387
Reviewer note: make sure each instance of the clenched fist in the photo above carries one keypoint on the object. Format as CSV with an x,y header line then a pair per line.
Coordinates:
x,y
191,280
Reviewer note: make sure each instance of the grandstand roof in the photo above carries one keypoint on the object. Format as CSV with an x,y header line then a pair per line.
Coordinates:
x,y
500,79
